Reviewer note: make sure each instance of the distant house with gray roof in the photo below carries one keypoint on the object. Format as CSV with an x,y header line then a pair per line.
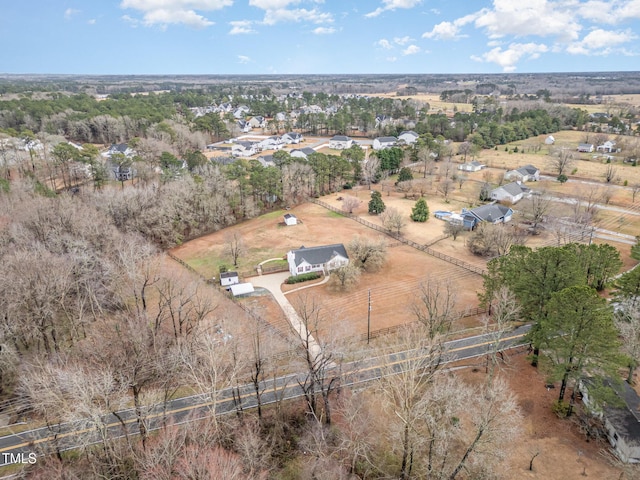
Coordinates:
x,y
409,137
528,173
491,213
317,259
511,192
473,166
381,143
302,152
340,142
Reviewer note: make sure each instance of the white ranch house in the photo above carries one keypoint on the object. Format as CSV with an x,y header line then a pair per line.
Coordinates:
x,y
511,192
317,259
473,166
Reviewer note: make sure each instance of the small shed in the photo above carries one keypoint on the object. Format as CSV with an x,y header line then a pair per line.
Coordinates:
x,y
290,219
229,278
240,289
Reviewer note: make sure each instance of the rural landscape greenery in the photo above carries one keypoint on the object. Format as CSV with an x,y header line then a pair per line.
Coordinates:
x,y
110,275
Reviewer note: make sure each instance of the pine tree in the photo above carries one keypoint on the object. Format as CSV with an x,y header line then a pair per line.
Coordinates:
x,y
376,205
420,212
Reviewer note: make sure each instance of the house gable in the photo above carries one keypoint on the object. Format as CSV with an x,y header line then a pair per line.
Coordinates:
x,y
317,259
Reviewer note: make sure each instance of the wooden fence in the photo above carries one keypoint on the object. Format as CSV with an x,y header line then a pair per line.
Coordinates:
x,y
423,248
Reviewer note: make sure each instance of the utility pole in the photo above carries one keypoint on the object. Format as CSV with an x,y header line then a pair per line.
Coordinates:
x,y
369,319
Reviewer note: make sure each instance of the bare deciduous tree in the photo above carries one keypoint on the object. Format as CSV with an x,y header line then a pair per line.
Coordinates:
x,y
393,220
489,240
234,246
535,208
435,306
561,160
346,276
368,253
445,187
349,203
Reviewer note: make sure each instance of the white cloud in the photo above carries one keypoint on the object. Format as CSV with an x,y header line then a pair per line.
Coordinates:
x,y
167,12
508,58
402,40
384,43
392,59
450,30
244,59
324,30
131,21
393,5
540,18
271,17
272,4
240,27
70,13
601,42
276,11
91,21
411,50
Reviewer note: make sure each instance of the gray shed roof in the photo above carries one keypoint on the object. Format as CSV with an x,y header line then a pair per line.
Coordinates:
x,y
319,255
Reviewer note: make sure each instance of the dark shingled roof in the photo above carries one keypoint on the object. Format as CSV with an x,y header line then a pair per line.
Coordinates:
x,y
228,274
491,212
319,255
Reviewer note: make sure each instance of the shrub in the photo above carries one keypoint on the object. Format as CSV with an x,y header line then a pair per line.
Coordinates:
x,y
561,408
305,277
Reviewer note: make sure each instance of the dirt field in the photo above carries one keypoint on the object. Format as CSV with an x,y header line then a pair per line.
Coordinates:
x,y
391,289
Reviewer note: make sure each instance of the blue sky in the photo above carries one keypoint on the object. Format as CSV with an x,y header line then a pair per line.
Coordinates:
x,y
318,36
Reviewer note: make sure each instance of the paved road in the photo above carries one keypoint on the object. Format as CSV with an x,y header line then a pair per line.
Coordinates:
x,y
68,436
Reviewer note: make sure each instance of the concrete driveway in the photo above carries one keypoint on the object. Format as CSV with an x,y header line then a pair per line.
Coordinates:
x,y
272,283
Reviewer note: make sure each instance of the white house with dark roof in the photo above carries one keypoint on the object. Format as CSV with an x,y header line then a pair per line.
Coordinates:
x,y
273,142
586,147
317,259
384,142
292,137
491,213
121,148
244,126
511,192
302,152
340,142
528,173
607,147
473,166
244,149
621,422
258,122
409,137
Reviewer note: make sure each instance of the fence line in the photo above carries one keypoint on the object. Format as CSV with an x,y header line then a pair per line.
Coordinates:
x,y
423,248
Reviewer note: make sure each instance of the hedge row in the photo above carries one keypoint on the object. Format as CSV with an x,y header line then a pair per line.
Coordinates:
x,y
303,278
